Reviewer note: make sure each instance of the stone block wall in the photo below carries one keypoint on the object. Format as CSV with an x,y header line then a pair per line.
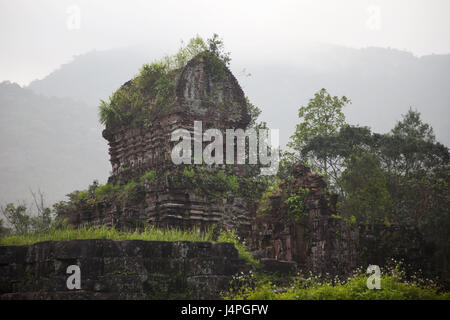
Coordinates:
x,y
132,269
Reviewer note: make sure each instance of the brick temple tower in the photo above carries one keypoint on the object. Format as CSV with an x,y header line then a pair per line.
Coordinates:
x,y
203,90
216,100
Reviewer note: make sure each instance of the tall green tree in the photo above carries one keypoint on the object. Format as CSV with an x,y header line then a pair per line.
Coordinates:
x,y
337,149
321,116
411,146
412,126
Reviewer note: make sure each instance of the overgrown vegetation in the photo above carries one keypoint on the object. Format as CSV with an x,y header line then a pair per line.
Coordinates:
x,y
140,100
393,286
214,183
293,201
96,195
244,253
265,203
296,204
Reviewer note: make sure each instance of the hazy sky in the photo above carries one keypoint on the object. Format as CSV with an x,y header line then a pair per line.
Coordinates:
x,y
38,36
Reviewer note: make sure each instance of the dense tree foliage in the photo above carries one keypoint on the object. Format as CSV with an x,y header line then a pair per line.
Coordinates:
x,y
367,197
401,177
323,115
22,221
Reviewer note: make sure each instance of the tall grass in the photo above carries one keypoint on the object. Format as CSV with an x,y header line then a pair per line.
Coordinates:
x,y
83,232
147,234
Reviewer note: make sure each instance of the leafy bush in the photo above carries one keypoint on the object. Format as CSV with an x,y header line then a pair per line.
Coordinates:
x,y
188,173
265,204
105,191
82,195
115,192
230,181
148,176
129,187
216,183
296,204
124,105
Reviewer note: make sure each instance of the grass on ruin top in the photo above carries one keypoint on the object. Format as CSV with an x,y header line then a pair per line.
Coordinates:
x,y
147,234
83,232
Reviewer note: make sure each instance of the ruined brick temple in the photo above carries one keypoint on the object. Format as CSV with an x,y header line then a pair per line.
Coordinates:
x,y
198,95
205,90
318,243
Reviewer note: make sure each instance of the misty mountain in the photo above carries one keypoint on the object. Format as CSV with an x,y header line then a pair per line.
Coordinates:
x,y
51,144
95,75
382,83
51,138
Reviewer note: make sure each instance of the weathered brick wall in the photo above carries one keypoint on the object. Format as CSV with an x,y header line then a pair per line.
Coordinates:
x,y
131,269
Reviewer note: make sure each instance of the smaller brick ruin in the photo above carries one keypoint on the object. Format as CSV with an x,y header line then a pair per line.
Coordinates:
x,y
320,242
